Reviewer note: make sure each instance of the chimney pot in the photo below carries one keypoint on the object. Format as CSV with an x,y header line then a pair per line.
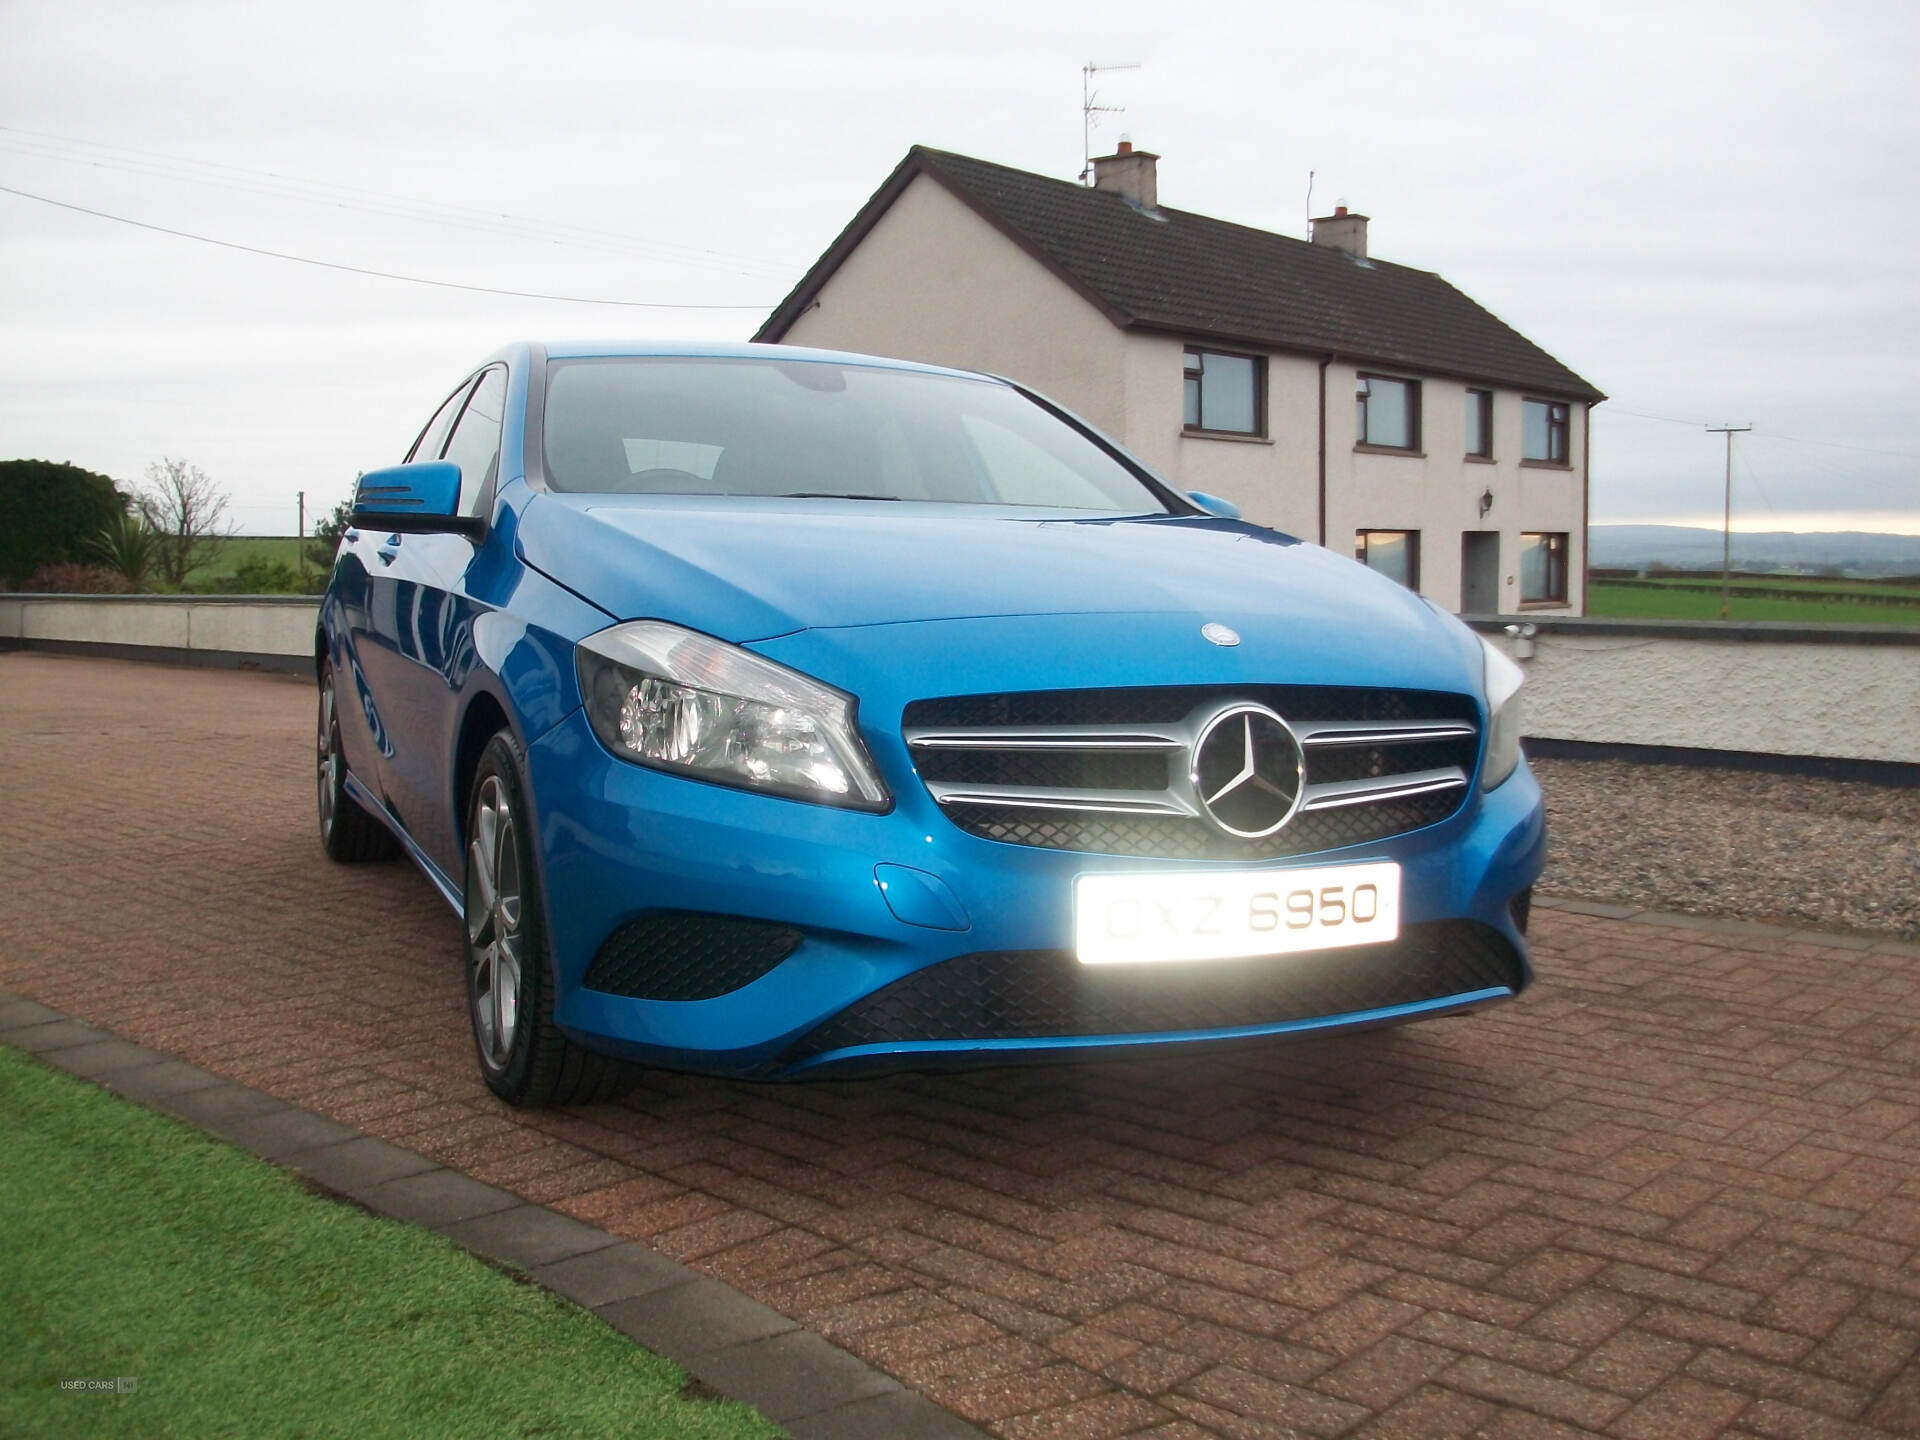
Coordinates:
x,y
1130,173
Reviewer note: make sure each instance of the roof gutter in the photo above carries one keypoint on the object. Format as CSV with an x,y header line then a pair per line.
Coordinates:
x,y
1324,363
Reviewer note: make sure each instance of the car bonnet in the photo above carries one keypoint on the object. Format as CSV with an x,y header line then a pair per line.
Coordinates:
x,y
750,569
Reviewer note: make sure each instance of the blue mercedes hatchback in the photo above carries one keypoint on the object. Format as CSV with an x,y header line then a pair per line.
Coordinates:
x,y
769,712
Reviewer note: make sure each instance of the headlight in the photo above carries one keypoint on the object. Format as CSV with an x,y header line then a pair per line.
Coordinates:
x,y
1504,679
682,701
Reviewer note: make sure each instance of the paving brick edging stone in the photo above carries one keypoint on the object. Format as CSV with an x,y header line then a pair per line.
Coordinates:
x,y
1886,944
739,1347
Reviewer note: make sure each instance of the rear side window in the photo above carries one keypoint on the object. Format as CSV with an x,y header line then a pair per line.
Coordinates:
x,y
475,446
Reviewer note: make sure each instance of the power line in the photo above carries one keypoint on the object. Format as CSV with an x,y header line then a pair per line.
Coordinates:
x,y
1744,463
362,270
1767,434
1834,445
1642,415
46,146
398,210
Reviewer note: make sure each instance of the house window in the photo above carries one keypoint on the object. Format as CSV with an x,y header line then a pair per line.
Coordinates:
x,y
1223,393
1394,553
1543,569
1544,431
1389,412
1480,424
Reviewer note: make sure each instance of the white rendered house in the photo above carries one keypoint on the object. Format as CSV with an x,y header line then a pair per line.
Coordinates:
x,y
1365,405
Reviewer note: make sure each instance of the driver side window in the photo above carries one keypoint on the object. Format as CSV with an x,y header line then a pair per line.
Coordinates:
x,y
427,445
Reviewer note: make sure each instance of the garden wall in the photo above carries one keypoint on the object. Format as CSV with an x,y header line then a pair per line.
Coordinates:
x,y
1762,688
269,632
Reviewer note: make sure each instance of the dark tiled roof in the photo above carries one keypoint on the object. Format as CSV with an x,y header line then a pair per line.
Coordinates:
x,y
1202,278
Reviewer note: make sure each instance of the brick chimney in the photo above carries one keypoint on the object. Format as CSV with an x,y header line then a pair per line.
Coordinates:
x,y
1342,231
1130,172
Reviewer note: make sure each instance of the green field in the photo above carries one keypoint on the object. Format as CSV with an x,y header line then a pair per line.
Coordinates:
x,y
229,554
242,1305
1895,590
1677,598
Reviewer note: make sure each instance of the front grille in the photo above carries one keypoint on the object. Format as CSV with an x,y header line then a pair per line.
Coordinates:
x,y
1107,770
1038,994
681,955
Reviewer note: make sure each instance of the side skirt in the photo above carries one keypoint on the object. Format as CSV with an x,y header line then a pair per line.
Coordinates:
x,y
369,802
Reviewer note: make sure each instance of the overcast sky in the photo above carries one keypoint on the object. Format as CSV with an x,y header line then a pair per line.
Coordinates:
x,y
1710,211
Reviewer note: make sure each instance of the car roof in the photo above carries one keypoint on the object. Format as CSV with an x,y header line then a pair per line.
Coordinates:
x,y
735,350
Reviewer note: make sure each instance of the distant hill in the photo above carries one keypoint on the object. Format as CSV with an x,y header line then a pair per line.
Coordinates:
x,y
1683,547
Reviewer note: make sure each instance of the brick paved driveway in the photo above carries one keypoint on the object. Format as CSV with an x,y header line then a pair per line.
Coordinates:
x,y
1673,1191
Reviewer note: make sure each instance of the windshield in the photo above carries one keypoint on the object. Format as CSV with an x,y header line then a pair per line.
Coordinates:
x,y
696,426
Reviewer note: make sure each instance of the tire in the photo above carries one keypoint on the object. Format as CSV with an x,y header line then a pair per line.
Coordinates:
x,y
524,1058
348,833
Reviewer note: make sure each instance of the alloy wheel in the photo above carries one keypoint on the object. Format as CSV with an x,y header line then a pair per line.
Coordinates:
x,y
494,911
329,758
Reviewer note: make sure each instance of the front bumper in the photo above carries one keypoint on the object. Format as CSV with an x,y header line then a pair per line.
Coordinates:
x,y
619,842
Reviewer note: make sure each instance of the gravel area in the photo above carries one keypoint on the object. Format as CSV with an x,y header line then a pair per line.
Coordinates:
x,y
1784,848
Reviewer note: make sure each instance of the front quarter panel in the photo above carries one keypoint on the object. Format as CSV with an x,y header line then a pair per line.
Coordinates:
x,y
526,638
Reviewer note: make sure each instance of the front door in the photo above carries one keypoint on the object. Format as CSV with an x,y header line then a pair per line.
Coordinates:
x,y
383,614
1480,572
428,637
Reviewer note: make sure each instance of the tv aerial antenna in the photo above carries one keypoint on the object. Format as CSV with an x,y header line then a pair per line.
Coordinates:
x,y
1090,106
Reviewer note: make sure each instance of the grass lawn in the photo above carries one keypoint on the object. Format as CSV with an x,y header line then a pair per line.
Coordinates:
x,y
134,1246
228,555
1703,603
1795,584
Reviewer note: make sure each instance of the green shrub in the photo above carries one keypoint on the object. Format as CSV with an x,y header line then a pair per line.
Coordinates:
x,y
49,513
325,543
129,547
257,575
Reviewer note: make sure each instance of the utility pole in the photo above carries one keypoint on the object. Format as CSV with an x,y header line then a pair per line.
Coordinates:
x,y
1726,524
1090,106
300,542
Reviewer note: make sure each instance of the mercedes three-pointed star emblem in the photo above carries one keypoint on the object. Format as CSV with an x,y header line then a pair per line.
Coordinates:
x,y
1248,771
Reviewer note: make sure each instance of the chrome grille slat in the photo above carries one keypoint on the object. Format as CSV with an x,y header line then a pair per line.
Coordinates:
x,y
1105,802
1060,737
1363,732
1387,787
1111,771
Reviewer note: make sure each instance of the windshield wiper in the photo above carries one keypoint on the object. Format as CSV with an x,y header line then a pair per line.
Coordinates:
x,y
832,495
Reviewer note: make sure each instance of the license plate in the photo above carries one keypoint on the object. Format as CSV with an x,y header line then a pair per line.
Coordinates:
x,y
1133,919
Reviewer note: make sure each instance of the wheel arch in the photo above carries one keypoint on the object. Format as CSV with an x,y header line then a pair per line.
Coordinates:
x,y
484,717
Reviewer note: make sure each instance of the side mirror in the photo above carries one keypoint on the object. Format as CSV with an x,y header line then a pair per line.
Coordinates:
x,y
416,499
1214,505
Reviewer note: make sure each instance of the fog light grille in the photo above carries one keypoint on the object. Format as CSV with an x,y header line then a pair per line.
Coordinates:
x,y
680,955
